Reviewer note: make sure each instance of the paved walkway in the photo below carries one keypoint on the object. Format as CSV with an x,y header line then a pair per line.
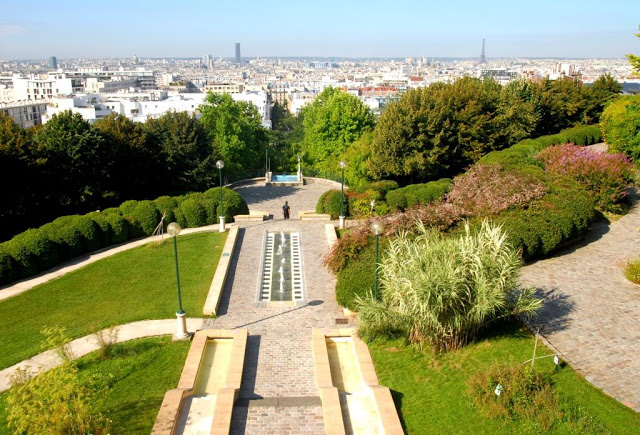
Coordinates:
x,y
592,313
69,266
84,345
278,393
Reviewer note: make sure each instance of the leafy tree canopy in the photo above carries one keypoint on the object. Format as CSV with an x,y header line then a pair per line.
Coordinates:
x,y
332,122
635,60
235,131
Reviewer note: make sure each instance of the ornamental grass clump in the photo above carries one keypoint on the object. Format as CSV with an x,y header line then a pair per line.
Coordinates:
x,y
607,176
443,290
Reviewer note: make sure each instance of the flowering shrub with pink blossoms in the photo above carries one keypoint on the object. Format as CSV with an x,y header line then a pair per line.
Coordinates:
x,y
606,176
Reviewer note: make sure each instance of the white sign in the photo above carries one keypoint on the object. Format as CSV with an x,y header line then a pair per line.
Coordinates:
x,y
498,390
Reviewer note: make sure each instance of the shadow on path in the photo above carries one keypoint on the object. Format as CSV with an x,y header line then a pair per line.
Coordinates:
x,y
231,274
554,314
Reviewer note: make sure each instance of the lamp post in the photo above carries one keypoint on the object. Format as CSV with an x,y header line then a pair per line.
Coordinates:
x,y
220,165
174,229
377,228
342,166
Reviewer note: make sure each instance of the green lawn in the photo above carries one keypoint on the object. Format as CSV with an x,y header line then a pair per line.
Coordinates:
x,y
132,285
139,373
431,392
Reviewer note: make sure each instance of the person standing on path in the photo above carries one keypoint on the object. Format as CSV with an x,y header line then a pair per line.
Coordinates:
x,y
286,209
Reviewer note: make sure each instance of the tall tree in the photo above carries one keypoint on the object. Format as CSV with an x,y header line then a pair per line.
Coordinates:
x,y
187,155
332,122
235,131
137,167
74,159
437,131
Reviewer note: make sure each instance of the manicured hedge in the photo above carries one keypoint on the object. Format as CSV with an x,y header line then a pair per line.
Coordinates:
x,y
329,203
356,278
146,216
8,267
194,212
67,237
524,151
32,252
414,194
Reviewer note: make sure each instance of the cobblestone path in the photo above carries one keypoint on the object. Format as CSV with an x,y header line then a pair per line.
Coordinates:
x,y
278,393
592,313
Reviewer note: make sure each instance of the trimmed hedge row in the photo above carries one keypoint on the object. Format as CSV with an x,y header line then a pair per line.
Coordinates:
x,y
39,249
413,194
525,150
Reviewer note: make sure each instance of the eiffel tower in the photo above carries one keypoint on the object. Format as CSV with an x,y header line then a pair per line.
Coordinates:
x,y
483,59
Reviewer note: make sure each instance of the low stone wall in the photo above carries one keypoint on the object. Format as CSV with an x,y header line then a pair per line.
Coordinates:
x,y
172,404
220,277
332,237
332,412
311,215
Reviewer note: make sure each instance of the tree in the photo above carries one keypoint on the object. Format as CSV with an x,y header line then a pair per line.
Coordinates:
x,y
332,122
443,291
620,123
635,60
604,90
285,137
136,162
75,160
437,131
186,153
235,131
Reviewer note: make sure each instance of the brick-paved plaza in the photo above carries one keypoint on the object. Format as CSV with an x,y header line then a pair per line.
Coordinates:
x,y
278,393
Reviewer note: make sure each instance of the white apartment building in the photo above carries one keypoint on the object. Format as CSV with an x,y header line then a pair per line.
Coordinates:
x,y
35,88
25,114
261,100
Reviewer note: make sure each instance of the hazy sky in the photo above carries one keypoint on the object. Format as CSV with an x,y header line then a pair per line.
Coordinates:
x,y
345,28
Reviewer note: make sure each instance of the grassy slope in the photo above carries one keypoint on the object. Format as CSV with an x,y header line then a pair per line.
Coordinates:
x,y
133,285
431,392
140,372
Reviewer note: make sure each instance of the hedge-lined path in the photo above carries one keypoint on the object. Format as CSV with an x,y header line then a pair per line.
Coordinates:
x,y
87,344
278,393
592,312
78,262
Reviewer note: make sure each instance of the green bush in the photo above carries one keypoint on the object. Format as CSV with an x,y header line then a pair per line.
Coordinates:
x,y
134,228
233,205
165,206
104,233
211,207
126,208
119,228
66,236
552,221
111,210
631,270
32,252
194,212
620,123
414,194
524,151
382,187
355,278
179,217
146,216
90,231
524,394
7,266
329,203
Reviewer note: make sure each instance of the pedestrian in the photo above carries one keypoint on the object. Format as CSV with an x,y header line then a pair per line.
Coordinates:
x,y
285,209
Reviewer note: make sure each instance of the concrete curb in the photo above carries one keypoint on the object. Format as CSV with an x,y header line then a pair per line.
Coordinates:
x,y
81,346
220,277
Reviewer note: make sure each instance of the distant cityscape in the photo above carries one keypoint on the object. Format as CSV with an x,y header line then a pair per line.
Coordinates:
x,y
32,91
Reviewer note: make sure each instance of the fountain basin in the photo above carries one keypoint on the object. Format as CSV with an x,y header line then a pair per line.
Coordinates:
x,y
208,387
281,280
352,400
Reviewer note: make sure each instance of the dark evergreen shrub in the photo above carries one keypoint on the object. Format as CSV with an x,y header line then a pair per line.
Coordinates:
x,y
147,216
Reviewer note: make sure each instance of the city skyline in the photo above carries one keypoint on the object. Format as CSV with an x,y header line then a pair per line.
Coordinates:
x,y
331,29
